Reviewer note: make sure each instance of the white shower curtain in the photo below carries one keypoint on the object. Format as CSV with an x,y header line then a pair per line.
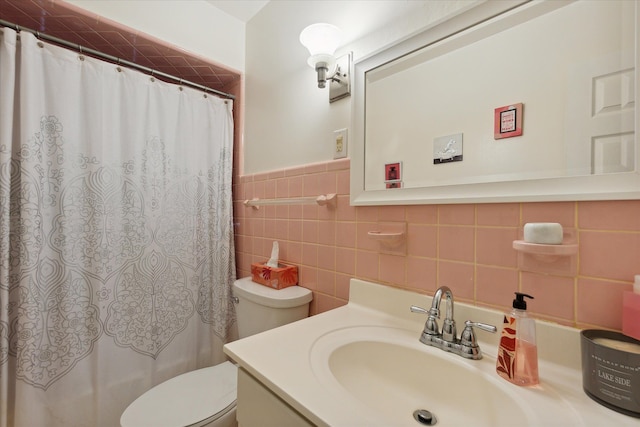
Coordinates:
x,y
116,240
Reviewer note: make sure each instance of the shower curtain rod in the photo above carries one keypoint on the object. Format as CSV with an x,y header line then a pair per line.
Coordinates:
x,y
115,59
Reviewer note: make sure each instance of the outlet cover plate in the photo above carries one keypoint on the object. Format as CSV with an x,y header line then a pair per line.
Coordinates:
x,y
340,143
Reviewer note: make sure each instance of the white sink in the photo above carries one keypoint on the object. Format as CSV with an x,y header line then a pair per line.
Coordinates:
x,y
362,365
391,374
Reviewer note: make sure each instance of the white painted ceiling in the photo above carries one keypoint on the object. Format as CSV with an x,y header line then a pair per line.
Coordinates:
x,y
240,9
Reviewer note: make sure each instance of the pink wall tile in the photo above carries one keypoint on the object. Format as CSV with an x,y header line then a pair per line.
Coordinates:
x,y
609,255
600,303
282,188
310,211
344,211
270,189
270,228
391,213
269,211
342,286
310,185
343,179
421,274
613,215
295,186
346,234
282,212
310,254
296,171
392,269
367,214
459,277
310,231
494,246
295,253
327,257
502,214
328,213
327,183
422,214
367,264
422,240
346,261
315,168
295,212
340,164
282,229
327,233
326,282
496,286
456,243
456,214
258,190
308,277
554,296
466,247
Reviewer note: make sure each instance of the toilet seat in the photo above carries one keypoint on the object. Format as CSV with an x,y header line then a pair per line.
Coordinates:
x,y
192,399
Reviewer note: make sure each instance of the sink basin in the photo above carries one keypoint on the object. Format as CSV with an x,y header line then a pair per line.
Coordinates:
x,y
387,374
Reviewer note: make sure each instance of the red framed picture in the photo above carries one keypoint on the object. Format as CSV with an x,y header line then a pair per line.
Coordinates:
x,y
393,172
508,121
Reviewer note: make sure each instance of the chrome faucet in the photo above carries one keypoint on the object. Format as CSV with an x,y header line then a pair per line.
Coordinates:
x,y
467,346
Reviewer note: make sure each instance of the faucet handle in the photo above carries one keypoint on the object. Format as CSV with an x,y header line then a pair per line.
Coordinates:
x,y
468,337
431,325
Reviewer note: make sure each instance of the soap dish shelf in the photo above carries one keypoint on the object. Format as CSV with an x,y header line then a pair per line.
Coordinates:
x,y
540,249
391,236
389,239
558,260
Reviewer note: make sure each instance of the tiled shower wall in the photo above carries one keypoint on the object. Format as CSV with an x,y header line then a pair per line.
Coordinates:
x,y
467,247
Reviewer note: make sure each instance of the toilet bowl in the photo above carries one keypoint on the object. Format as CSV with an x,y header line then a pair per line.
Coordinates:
x,y
207,396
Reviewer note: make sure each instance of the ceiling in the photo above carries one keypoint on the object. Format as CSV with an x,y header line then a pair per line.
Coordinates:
x,y
243,10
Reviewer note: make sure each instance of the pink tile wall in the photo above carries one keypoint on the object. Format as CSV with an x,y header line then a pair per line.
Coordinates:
x,y
467,247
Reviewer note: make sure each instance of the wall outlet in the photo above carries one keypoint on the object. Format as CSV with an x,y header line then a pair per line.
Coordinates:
x,y
340,144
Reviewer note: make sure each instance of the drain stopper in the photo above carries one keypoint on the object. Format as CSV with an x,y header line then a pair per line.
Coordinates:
x,y
425,417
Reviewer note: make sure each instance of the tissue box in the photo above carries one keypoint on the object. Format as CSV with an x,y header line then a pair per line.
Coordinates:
x,y
283,276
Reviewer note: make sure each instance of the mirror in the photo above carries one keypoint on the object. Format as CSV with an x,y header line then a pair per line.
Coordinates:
x,y
533,101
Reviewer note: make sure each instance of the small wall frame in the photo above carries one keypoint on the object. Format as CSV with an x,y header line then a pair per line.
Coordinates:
x,y
508,121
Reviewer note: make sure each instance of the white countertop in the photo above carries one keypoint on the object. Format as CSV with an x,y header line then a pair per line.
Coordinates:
x,y
281,358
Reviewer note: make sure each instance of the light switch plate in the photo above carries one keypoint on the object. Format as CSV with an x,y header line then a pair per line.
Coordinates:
x,y
340,143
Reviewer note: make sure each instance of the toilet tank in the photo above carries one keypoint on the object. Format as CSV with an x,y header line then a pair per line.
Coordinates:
x,y
260,308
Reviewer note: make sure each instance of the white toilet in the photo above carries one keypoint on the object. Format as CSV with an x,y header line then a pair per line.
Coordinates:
x,y
207,397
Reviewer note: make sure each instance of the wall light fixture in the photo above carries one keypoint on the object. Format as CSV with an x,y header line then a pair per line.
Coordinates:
x,y
322,40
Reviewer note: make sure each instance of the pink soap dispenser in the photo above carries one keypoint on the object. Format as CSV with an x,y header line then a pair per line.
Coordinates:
x,y
518,352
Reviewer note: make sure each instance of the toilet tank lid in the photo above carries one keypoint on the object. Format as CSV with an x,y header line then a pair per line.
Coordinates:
x,y
293,296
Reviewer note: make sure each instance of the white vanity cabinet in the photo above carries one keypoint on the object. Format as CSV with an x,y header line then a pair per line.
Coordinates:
x,y
259,407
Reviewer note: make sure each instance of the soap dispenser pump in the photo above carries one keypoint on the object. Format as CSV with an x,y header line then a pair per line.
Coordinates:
x,y
518,353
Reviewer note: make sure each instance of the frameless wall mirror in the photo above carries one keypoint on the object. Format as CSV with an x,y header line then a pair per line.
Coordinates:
x,y
507,101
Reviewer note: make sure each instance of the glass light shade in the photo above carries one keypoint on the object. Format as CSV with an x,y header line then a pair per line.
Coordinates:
x,y
321,40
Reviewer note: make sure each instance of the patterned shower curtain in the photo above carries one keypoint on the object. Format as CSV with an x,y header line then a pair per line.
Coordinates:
x,y
116,240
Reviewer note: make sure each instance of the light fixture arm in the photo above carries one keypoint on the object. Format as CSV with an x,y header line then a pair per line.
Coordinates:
x,y
322,68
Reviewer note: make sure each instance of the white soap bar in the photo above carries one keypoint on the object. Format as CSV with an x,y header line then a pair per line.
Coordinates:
x,y
546,233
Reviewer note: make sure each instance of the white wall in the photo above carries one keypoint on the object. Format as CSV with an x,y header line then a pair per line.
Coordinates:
x,y
194,25
288,120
